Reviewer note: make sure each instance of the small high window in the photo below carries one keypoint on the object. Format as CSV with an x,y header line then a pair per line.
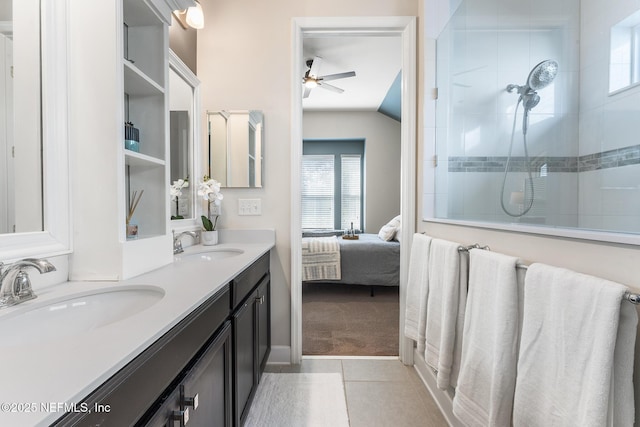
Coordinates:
x,y
624,55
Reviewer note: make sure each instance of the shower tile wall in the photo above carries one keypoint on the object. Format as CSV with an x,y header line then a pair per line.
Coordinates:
x,y
489,44
486,46
609,197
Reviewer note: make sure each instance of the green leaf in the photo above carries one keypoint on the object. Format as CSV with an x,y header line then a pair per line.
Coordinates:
x,y
206,223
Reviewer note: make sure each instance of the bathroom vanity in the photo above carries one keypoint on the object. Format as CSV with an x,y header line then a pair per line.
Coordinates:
x,y
193,355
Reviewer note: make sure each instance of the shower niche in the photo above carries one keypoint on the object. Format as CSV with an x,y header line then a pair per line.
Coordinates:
x,y
527,132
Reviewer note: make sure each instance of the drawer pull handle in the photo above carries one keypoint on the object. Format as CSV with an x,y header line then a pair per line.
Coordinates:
x,y
191,401
181,416
260,299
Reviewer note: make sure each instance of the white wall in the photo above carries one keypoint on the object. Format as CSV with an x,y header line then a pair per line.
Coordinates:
x,y
382,156
244,57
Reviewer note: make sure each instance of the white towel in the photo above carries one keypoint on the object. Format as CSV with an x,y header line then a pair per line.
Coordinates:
x,y
417,290
447,295
484,394
573,339
321,258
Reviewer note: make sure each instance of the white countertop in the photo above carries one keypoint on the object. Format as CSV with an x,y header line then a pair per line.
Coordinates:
x,y
39,379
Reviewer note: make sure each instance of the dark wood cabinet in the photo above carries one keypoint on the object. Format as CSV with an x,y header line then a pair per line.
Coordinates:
x,y
251,320
203,372
244,357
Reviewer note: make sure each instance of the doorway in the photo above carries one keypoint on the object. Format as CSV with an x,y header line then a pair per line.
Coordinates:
x,y
405,28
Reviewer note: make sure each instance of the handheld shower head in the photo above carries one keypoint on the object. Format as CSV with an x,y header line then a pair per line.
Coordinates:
x,y
530,100
542,75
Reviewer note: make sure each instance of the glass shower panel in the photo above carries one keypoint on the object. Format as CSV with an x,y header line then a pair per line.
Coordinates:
x,y
485,47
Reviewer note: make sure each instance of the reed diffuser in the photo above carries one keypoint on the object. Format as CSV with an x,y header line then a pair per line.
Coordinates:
x,y
132,229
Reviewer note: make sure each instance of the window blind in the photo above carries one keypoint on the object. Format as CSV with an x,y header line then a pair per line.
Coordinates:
x,y
351,191
318,191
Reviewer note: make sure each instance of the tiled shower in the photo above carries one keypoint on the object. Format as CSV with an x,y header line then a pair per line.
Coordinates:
x,y
582,139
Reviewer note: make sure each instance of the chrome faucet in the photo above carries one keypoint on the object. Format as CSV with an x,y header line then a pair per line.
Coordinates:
x,y
177,243
15,285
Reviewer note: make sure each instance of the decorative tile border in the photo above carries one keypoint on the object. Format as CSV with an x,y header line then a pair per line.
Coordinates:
x,y
603,160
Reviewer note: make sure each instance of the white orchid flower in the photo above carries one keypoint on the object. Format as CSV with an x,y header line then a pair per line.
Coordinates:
x,y
209,190
175,189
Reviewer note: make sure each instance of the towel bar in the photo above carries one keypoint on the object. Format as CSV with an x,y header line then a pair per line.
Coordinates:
x,y
474,246
629,296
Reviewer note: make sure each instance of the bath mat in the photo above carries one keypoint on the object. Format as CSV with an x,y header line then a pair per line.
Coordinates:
x,y
314,400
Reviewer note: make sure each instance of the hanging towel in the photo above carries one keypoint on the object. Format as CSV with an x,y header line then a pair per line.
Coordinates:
x,y
446,299
417,290
576,352
484,393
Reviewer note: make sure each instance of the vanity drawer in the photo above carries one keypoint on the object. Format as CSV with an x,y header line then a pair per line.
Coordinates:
x,y
248,279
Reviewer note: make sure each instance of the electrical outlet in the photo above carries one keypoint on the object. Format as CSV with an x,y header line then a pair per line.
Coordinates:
x,y
215,209
249,207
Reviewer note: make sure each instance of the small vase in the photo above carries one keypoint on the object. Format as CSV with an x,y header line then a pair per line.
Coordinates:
x,y
209,238
132,231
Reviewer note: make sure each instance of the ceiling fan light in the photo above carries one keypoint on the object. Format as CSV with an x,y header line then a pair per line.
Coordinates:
x,y
310,83
195,17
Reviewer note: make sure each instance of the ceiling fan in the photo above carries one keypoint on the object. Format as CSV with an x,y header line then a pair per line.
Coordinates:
x,y
312,78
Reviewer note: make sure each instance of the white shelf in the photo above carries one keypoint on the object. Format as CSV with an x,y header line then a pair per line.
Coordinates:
x,y
137,83
142,160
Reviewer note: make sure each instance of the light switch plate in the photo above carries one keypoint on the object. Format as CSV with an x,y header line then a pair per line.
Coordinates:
x,y
249,207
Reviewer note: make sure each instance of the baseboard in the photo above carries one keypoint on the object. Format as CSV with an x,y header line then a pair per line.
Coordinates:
x,y
443,399
280,355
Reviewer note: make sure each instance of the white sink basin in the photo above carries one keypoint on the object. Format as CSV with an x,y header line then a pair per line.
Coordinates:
x,y
210,254
40,321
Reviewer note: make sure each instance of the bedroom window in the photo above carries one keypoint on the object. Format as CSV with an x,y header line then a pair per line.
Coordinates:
x,y
317,191
332,184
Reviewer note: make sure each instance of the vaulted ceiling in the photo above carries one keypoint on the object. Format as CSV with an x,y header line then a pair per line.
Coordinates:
x,y
376,61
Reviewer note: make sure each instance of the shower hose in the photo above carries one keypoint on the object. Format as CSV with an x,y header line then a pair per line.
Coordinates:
x,y
529,203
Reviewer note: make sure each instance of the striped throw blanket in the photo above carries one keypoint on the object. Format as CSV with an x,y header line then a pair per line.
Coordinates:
x,y
320,258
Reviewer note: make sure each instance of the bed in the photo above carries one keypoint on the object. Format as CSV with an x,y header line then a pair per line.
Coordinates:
x,y
366,261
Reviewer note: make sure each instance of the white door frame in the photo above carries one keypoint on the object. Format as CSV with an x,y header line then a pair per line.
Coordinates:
x,y
405,27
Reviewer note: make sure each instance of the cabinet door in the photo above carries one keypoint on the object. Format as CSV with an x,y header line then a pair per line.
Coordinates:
x,y
206,390
244,358
263,306
203,397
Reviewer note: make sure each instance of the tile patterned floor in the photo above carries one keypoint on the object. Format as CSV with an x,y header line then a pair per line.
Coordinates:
x,y
379,392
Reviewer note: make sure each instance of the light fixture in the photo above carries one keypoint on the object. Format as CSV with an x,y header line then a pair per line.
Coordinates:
x,y
310,82
195,16
192,17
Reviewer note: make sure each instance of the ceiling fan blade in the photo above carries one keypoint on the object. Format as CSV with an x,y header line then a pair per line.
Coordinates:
x,y
332,88
338,76
315,67
307,91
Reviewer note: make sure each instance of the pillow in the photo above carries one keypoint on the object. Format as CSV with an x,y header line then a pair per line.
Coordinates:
x,y
388,231
398,233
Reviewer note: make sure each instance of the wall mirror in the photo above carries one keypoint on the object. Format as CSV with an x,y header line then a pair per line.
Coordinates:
x,y
183,125
20,111
528,133
236,147
34,167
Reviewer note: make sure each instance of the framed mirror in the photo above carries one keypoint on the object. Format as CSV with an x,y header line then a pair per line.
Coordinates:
x,y
184,124
34,155
236,147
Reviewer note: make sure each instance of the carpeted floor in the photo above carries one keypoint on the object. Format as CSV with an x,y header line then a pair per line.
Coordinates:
x,y
343,320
